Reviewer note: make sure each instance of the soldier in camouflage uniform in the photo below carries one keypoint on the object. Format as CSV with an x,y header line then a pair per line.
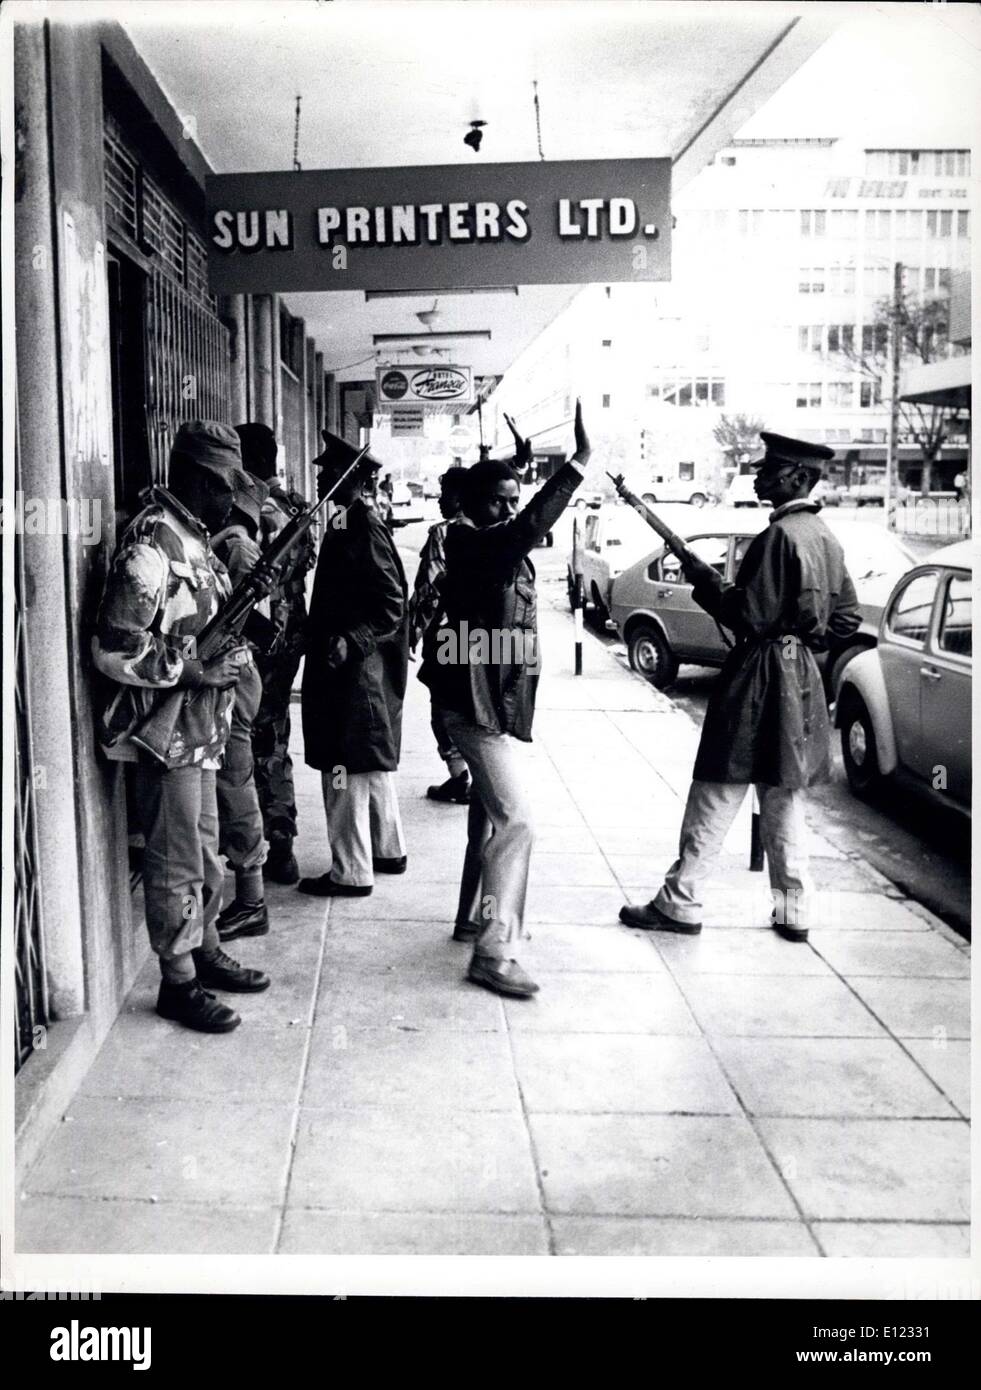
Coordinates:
x,y
271,728
240,837
164,585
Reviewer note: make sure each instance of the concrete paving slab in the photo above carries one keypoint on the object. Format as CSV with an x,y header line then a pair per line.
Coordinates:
x,y
728,951
307,1232
400,947
97,1226
949,1064
571,871
556,946
583,1072
893,1240
854,953
828,1076
153,1057
918,1008
377,1160
881,1170
600,1002
415,1071
589,906
624,1235
656,1165
358,999
807,1006
401,898
221,1153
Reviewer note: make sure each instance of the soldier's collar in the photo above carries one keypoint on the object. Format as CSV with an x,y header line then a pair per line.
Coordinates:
x,y
799,504
160,495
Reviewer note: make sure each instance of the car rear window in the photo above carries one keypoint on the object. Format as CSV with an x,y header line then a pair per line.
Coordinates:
x,y
955,622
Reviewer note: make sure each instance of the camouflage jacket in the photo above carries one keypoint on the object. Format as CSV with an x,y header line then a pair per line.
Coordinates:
x,y
164,585
426,603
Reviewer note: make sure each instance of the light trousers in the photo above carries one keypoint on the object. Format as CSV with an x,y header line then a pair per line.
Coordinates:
x,y
500,836
240,834
363,822
709,813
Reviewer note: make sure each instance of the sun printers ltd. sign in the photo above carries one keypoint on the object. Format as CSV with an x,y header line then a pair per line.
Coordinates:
x,y
466,226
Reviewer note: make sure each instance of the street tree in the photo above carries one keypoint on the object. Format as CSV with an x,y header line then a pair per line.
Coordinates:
x,y
922,325
737,436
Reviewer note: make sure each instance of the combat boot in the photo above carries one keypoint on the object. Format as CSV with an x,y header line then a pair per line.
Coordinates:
x,y
281,865
193,1006
218,971
242,919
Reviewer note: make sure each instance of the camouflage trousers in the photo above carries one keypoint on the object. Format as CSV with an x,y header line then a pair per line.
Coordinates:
x,y
271,746
239,815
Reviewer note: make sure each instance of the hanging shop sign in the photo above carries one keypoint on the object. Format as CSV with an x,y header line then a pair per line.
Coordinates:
x,y
443,227
407,419
424,385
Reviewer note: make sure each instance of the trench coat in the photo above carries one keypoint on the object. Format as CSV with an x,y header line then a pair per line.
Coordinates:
x,y
352,716
767,718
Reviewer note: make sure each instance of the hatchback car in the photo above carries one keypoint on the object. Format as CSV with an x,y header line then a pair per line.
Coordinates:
x,y
608,541
905,708
663,626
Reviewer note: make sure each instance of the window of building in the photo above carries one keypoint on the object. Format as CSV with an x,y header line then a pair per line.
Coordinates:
x,y
809,395
698,391
810,337
841,337
837,188
843,222
606,402
870,394
813,222
937,163
718,393
841,394
939,224
811,281
963,224
607,342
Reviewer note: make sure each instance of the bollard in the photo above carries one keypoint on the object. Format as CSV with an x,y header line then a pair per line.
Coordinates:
x,y
755,838
577,615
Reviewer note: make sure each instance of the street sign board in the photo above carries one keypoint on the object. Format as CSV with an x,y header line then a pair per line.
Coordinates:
x,y
407,419
425,385
440,227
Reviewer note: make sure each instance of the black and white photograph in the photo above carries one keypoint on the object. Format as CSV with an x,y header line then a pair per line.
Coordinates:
x,y
488,572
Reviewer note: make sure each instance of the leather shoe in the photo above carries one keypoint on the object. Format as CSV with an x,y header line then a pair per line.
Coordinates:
x,y
650,918
218,971
195,1008
325,887
242,919
465,931
787,931
502,976
281,865
455,789
390,866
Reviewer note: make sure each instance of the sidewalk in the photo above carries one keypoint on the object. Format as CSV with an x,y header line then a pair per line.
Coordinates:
x,y
730,1094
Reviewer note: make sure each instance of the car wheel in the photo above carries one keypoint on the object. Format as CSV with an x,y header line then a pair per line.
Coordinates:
x,y
651,656
858,746
698,499
649,498
838,663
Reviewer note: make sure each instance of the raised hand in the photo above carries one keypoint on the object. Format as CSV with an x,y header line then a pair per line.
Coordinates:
x,y
583,450
522,446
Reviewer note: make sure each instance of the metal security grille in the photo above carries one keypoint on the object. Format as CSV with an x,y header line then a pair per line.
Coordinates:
x,y
31,980
121,180
186,356
163,229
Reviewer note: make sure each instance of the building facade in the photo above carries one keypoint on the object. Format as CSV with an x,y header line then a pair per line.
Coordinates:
x,y
117,341
783,254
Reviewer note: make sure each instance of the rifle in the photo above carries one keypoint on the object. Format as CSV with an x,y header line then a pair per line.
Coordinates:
x,y
155,733
671,538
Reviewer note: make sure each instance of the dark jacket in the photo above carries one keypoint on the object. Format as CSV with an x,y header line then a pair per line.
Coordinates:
x,y
487,661
767,719
352,716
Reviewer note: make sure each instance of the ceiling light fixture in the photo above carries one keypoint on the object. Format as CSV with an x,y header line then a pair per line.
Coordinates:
x,y
427,317
474,135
